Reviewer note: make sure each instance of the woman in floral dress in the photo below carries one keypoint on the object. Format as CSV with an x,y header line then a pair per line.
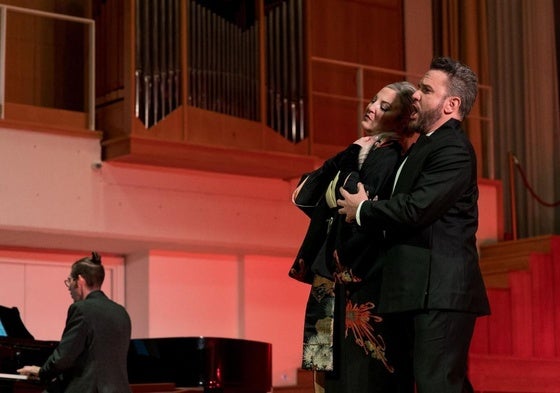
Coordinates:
x,y
346,343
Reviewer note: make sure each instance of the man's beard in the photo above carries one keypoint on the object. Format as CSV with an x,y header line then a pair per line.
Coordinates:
x,y
425,120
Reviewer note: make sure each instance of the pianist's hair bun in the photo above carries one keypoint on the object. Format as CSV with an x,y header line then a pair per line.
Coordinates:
x,y
95,258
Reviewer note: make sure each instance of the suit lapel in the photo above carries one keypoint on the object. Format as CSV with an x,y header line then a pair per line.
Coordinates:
x,y
412,165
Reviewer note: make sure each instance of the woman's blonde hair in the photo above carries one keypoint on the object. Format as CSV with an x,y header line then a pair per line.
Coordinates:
x,y
404,90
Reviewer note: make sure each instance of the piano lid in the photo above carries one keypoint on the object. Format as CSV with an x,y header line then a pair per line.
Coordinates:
x,y
216,364
11,324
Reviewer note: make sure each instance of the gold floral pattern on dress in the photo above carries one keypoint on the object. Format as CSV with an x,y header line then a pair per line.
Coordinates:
x,y
317,351
359,320
318,339
322,287
299,270
343,274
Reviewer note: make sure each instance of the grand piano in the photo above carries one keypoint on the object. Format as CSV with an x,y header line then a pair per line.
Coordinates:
x,y
208,364
19,348
213,364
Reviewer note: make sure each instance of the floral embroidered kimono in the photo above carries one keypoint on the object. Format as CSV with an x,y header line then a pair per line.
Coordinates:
x,y
343,335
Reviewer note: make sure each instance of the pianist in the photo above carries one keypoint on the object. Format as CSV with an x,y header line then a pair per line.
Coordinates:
x,y
92,353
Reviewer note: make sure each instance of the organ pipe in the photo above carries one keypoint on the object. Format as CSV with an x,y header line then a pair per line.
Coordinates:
x,y
157,68
223,61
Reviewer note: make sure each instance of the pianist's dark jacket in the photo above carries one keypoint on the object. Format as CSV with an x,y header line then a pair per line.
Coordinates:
x,y
92,354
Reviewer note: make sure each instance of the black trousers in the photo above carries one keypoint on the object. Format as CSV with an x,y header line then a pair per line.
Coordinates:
x,y
435,347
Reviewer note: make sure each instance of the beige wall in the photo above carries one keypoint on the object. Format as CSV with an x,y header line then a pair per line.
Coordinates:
x,y
32,281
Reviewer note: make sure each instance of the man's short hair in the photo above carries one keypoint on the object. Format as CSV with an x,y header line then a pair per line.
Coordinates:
x,y
463,82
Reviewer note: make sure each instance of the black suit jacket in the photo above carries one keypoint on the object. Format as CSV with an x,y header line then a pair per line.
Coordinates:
x,y
92,354
431,259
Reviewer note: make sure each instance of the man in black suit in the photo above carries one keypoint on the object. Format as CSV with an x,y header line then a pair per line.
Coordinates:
x,y
432,288
92,354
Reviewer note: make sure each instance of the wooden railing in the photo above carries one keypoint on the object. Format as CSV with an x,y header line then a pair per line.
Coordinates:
x,y
369,79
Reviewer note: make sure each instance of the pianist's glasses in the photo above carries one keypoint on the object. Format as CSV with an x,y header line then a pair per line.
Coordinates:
x,y
68,281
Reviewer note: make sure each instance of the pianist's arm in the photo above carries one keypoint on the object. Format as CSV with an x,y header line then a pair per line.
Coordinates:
x,y
69,352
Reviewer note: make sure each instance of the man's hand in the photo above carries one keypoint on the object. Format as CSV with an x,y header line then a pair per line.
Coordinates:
x,y
31,371
350,202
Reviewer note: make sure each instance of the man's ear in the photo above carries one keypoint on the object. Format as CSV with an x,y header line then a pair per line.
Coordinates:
x,y
81,279
452,105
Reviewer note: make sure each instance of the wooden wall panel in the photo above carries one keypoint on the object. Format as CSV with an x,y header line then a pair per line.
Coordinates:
x,y
364,33
45,56
109,19
334,121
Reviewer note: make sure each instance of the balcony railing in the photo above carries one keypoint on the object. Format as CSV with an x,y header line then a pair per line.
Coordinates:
x,y
363,81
